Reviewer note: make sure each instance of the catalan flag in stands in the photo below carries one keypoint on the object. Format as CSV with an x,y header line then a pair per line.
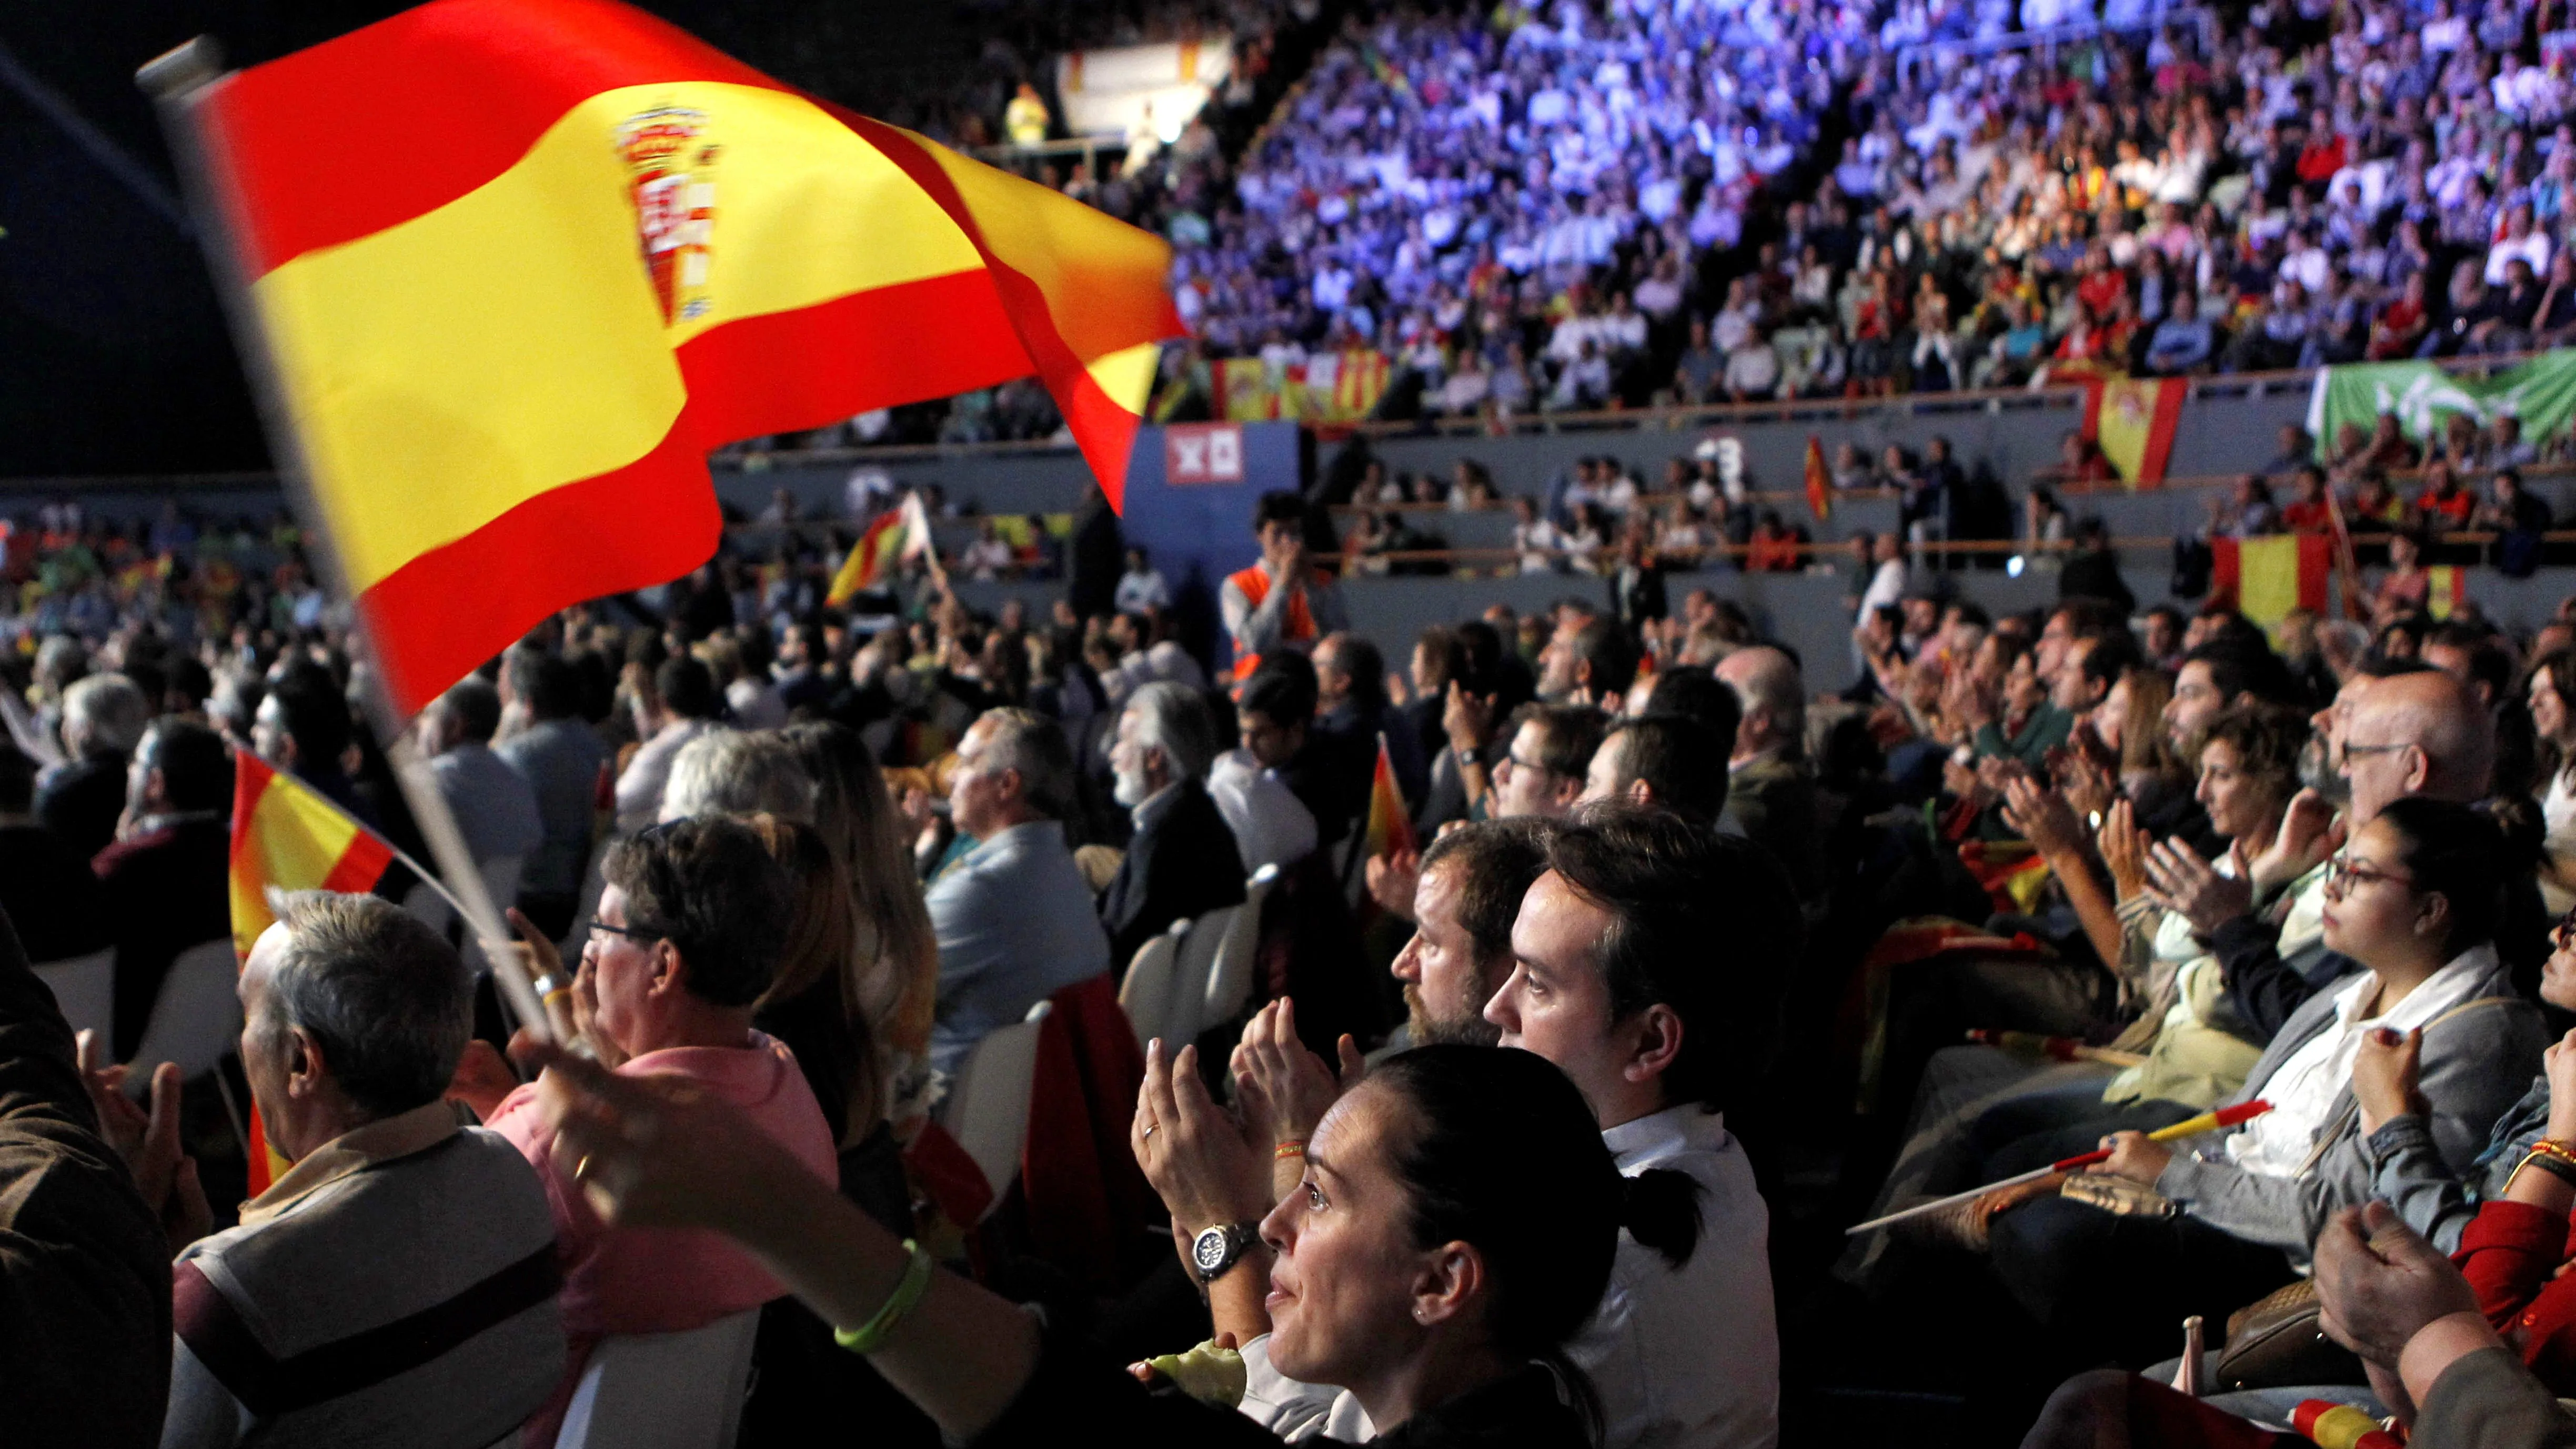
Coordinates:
x,y
892,536
287,836
522,262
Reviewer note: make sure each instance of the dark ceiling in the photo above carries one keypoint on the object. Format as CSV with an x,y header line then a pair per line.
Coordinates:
x,y
114,357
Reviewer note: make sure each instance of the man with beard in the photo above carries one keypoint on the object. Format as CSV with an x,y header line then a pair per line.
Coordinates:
x,y
1182,861
1472,882
1606,971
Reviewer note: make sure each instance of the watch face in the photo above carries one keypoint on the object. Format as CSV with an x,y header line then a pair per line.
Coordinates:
x,y
1208,1249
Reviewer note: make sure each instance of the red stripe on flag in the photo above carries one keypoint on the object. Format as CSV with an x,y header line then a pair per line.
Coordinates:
x,y
442,614
884,347
2160,432
2226,569
408,114
251,775
360,866
2316,560
1106,441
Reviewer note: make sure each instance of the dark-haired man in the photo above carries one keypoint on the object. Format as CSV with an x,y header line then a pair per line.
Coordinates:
x,y
546,740
1662,761
1540,771
1772,797
493,805
302,726
1614,980
691,922
167,878
1587,661
1469,894
683,706
50,894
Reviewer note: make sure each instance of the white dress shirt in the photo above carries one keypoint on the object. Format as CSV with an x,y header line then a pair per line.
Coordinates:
x,y
1271,825
639,789
1683,1358
2301,1092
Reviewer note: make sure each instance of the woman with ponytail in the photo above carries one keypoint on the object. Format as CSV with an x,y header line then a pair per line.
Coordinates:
x,y
1455,1225
1612,976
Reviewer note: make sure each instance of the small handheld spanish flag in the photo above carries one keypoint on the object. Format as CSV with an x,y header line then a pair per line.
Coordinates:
x,y
1820,480
287,837
1390,829
892,537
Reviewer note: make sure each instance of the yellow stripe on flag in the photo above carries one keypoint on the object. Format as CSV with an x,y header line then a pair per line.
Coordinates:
x,y
446,369
2268,586
296,839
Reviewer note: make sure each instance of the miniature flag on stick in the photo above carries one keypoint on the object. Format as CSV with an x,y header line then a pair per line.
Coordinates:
x,y
517,264
1820,480
287,837
893,537
2211,1121
1390,829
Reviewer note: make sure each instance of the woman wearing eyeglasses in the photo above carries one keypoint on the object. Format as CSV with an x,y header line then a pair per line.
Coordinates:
x,y
2414,899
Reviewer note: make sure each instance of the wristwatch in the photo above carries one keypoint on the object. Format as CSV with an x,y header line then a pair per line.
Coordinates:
x,y
1214,1252
1468,757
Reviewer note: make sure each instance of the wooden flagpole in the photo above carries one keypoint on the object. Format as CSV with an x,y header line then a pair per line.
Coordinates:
x,y
178,81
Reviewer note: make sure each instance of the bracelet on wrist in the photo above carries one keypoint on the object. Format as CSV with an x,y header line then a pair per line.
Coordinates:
x,y
2557,1165
908,1292
1288,1148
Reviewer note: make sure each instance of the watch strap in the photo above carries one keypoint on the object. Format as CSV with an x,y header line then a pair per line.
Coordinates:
x,y
1239,1238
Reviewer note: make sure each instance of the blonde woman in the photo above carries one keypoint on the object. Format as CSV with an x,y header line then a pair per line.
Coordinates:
x,y
897,958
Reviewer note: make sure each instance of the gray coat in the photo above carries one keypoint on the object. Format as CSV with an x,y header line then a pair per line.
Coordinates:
x,y
2477,1058
2408,1172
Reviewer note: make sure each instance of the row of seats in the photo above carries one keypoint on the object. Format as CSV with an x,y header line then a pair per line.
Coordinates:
x,y
1193,977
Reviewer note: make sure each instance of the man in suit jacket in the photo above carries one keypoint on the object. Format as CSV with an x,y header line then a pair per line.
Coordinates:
x,y
1183,861
1772,796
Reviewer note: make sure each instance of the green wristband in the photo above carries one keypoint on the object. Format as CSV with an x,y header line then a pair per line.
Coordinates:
x,y
870,1336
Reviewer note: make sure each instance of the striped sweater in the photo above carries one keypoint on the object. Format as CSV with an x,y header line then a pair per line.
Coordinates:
x,y
396,1288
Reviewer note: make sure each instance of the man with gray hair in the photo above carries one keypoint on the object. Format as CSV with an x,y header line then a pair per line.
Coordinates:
x,y
397,1284
1013,915
738,772
1771,794
80,799
1182,861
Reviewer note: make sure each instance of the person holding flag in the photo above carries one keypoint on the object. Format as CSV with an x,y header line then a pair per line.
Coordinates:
x,y
893,538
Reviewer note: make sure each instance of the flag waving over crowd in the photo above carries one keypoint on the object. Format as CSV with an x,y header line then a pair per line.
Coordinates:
x,y
893,536
522,262
287,836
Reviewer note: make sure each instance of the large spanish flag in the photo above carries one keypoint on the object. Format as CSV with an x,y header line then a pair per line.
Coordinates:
x,y
522,262
287,836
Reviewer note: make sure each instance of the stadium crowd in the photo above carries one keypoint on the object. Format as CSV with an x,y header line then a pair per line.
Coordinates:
x,y
1545,208
1607,975
1605,971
